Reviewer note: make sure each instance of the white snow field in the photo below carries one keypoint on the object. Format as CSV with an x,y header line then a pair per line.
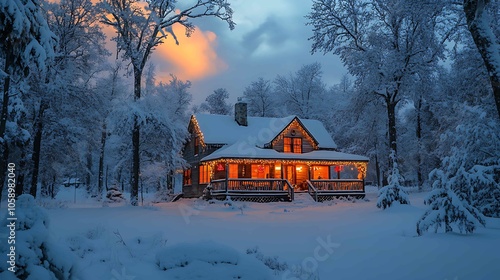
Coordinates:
x,y
195,239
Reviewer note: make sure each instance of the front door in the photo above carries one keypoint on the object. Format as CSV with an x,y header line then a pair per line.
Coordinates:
x,y
290,173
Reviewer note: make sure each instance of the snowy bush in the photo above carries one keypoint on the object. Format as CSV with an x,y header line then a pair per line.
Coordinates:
x,y
182,255
208,260
449,212
114,195
474,169
37,255
272,262
485,183
451,201
393,192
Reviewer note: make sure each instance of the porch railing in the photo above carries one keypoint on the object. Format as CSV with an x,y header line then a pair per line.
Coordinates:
x,y
261,186
335,187
338,185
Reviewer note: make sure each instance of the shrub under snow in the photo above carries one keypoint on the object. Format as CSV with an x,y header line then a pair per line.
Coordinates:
x,y
114,195
37,255
393,192
449,212
209,260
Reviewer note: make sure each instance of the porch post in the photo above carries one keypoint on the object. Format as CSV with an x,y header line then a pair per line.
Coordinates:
x,y
227,175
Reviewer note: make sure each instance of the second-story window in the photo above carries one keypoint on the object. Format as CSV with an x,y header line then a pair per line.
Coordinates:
x,y
297,145
292,145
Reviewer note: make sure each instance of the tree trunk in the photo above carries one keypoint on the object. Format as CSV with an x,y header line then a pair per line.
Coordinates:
x,y
22,171
89,169
134,190
101,162
391,114
4,149
37,142
377,170
419,144
486,42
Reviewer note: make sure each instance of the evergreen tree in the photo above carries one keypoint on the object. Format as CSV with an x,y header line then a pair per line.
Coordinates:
x,y
393,192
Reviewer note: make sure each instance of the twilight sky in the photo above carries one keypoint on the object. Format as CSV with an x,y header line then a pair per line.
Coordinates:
x,y
270,38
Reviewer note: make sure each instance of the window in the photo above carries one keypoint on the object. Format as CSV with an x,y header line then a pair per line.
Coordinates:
x,y
244,171
292,145
320,172
260,171
204,174
288,145
187,177
297,145
196,145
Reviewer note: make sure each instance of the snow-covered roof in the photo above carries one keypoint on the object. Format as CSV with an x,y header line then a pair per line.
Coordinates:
x,y
243,149
223,129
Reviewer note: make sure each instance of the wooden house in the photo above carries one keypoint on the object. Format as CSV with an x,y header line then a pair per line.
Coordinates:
x,y
267,159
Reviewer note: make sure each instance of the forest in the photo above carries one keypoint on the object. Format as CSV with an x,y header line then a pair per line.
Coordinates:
x,y
421,98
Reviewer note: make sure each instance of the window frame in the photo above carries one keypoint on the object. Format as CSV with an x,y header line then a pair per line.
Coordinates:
x,y
292,146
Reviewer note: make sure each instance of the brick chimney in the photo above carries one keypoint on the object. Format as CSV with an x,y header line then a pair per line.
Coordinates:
x,y
240,112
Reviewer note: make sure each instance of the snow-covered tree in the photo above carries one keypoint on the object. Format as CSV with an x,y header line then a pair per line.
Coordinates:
x,y
142,26
38,255
384,44
164,130
450,212
467,183
260,99
393,192
58,98
216,103
302,92
25,38
482,21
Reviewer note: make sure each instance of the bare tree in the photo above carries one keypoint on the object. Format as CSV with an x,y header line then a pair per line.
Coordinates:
x,y
139,30
216,103
302,91
259,96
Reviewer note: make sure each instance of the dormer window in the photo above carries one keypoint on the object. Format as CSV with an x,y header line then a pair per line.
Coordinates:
x,y
293,145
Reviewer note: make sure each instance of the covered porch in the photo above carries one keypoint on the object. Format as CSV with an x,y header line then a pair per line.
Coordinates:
x,y
279,179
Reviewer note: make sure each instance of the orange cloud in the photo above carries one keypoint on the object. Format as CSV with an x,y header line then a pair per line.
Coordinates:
x,y
193,59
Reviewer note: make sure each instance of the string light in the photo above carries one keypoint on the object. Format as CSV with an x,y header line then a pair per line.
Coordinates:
x,y
197,131
296,125
361,166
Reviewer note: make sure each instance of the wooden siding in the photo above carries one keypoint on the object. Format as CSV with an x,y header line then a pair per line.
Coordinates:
x,y
307,145
195,189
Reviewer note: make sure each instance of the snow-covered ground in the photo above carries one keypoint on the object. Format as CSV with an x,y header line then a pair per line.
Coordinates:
x,y
195,239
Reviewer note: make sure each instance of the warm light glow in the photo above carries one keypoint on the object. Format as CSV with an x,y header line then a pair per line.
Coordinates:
x,y
197,130
292,126
277,167
193,59
360,165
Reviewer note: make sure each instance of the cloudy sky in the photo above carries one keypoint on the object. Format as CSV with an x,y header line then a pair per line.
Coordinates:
x,y
270,38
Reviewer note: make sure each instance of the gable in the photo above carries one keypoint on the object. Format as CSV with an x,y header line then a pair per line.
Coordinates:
x,y
195,130
295,129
